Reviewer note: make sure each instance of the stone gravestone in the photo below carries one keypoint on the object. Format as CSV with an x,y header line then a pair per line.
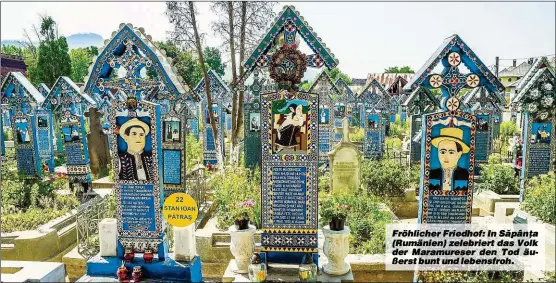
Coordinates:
x,y
448,140
252,121
289,141
537,98
326,89
45,138
345,160
97,142
419,102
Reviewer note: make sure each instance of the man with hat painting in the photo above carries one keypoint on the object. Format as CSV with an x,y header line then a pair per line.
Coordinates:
x,y
449,177
135,163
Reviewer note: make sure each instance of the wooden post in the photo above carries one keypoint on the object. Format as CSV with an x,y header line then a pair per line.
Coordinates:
x,y
97,142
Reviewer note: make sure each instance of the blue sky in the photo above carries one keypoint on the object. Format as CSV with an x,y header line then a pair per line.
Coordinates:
x,y
365,36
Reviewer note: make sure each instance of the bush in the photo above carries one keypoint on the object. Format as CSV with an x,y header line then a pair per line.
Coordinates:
x,y
193,152
393,143
59,160
473,276
30,220
495,158
359,136
539,198
384,177
498,178
507,130
231,189
324,183
366,218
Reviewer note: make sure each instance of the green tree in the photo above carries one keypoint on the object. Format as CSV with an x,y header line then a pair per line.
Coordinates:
x,y
53,58
214,60
92,50
399,70
12,50
187,66
335,74
80,61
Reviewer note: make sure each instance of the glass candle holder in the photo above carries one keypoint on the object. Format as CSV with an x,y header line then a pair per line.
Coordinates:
x,y
308,270
257,269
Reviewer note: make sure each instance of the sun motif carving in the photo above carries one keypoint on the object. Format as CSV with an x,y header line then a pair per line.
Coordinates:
x,y
454,59
436,81
472,80
452,104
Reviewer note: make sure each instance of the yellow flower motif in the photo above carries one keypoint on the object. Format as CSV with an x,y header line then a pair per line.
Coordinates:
x,y
304,275
261,276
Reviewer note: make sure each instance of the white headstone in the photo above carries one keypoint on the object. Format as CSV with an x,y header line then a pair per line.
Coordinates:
x,y
184,242
108,236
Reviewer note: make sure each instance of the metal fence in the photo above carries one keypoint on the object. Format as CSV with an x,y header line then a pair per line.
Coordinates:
x,y
89,216
397,155
196,184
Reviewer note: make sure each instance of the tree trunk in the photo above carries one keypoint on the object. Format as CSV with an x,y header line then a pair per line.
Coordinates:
x,y
217,141
234,152
233,158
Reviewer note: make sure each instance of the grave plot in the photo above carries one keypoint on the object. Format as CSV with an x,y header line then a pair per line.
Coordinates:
x,y
328,92
221,95
20,99
536,97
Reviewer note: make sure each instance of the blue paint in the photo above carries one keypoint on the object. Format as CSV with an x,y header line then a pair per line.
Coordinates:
x,y
137,207
172,167
169,269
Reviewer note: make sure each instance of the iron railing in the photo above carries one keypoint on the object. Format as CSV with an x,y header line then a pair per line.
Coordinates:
x,y
89,216
196,185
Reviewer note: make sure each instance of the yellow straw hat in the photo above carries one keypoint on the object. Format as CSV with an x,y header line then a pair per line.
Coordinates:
x,y
134,122
451,134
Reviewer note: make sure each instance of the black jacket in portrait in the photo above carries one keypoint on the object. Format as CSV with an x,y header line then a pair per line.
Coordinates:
x,y
460,174
128,168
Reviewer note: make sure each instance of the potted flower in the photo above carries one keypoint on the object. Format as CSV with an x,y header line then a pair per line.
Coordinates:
x,y
242,242
335,213
242,212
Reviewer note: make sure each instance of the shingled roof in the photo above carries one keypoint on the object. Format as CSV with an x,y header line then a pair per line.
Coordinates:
x,y
11,63
518,71
386,79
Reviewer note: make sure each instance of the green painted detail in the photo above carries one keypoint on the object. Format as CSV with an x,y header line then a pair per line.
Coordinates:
x,y
302,29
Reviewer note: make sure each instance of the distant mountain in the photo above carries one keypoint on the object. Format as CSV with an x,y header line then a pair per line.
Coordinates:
x,y
79,40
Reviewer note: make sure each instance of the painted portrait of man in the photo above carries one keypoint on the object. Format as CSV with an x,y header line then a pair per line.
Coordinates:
x,y
136,163
449,176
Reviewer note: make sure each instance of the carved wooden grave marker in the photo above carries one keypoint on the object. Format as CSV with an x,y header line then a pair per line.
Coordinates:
x,y
289,137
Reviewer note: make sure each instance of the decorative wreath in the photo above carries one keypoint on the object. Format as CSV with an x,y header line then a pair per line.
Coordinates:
x,y
288,65
540,101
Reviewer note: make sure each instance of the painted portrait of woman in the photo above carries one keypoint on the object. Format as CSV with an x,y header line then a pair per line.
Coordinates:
x,y
289,128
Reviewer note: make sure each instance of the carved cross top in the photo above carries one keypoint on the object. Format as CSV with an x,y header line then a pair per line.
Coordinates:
x,y
346,130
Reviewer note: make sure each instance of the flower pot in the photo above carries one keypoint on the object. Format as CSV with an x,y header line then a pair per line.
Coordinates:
x,y
242,224
336,248
337,224
242,246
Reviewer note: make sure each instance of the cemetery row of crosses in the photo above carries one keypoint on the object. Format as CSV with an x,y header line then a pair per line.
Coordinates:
x,y
309,156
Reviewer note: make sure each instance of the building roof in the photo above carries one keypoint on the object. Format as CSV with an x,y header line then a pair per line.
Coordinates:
x,y
358,82
518,71
11,63
386,79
